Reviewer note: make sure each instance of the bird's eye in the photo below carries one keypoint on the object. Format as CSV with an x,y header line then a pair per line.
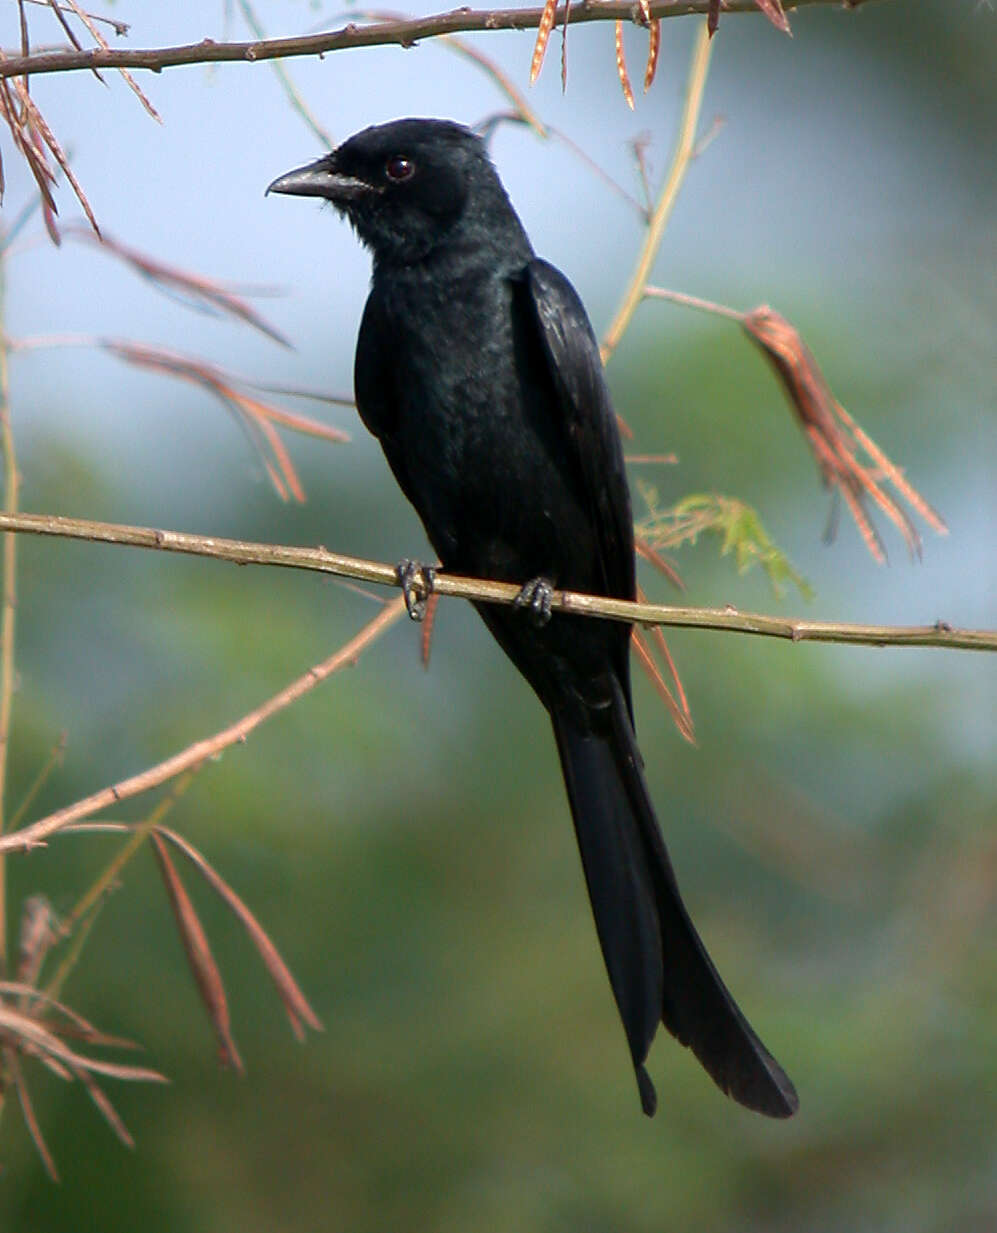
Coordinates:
x,y
399,168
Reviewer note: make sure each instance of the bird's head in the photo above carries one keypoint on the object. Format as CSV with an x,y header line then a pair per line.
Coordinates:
x,y
410,187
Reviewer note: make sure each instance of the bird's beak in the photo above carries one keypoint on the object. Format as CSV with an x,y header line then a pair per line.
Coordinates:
x,y
320,180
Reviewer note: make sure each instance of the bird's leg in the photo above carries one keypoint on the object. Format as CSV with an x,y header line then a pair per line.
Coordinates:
x,y
535,598
417,583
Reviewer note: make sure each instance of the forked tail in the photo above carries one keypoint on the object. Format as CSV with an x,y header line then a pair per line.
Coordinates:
x,y
658,966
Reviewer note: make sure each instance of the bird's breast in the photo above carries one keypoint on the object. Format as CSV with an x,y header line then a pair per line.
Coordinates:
x,y
475,430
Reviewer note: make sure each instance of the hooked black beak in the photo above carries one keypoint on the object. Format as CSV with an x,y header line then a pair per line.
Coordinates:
x,y
320,180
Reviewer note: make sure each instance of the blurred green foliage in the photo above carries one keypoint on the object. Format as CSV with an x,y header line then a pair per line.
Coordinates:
x,y
737,525
404,834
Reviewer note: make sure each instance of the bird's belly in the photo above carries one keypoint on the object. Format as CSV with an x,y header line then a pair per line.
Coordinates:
x,y
496,500
497,510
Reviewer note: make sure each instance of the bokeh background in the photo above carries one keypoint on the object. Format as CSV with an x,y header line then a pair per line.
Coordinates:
x,y
402,833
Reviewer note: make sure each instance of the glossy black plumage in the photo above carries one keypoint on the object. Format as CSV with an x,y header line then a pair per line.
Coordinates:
x,y
478,372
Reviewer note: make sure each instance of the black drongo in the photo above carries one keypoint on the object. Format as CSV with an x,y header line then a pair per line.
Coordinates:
x,y
478,372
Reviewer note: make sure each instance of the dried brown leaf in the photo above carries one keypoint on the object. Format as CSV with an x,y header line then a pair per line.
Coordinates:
x,y
68,30
36,121
255,415
33,154
893,473
56,1068
835,438
114,1070
658,636
99,39
283,458
653,49
773,10
621,66
13,1067
204,294
304,423
31,999
678,706
23,1032
543,35
296,1004
23,22
111,1114
428,621
202,961
680,717
564,47
647,553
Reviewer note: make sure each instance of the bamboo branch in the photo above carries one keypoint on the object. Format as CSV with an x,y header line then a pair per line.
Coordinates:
x,y
379,34
243,552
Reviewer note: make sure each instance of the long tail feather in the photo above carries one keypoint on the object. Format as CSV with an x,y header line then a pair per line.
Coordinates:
x,y
658,966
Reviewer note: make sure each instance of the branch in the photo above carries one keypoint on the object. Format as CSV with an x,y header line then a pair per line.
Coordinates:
x,y
379,34
242,552
210,747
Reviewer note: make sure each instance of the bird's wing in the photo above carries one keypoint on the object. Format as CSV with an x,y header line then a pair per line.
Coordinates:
x,y
591,436
373,380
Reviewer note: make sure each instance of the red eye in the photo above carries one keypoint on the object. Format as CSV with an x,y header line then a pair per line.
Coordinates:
x,y
398,167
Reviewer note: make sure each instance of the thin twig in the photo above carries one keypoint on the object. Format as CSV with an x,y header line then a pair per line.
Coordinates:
x,y
37,832
111,872
203,965
294,95
9,609
244,552
685,147
400,33
28,1113
120,28
296,1005
523,111
692,301
48,766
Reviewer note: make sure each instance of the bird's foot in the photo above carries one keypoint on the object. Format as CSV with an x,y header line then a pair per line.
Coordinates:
x,y
535,598
417,582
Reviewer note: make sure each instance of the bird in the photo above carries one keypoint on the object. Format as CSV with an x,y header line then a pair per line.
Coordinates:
x,y
478,371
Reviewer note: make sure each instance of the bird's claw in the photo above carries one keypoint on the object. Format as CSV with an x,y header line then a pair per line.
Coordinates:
x,y
535,598
417,582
